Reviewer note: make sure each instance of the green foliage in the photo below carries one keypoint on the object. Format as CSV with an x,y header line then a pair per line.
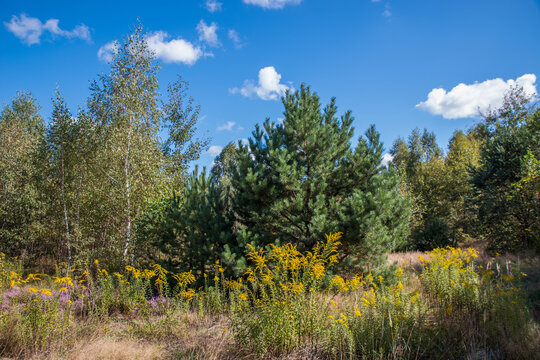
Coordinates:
x,y
71,191
301,179
65,163
438,186
124,105
192,230
525,194
511,138
21,203
134,168
298,183
434,233
180,116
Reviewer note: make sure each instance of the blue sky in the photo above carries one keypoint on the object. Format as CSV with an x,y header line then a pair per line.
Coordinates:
x,y
396,64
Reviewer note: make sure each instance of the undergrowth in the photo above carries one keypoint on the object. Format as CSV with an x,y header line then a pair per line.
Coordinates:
x,y
287,303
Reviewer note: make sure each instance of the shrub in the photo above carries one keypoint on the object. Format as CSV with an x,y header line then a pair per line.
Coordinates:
x,y
433,234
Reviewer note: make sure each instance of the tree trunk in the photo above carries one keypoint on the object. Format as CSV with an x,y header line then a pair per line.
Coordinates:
x,y
128,196
66,215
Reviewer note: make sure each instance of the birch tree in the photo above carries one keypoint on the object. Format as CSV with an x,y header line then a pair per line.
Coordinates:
x,y
134,166
125,105
60,149
21,206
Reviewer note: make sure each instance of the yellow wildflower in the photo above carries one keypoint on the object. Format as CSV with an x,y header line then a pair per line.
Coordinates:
x,y
184,278
188,294
46,292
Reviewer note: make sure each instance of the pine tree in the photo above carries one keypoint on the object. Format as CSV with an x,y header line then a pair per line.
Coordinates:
x,y
298,180
192,230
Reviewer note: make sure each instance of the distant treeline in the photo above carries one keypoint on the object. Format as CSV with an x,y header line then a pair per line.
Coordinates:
x,y
103,183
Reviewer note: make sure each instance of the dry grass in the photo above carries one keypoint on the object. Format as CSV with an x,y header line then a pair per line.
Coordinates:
x,y
527,262
206,337
181,336
406,260
189,335
124,349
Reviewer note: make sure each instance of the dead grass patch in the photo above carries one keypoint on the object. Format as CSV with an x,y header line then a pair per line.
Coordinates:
x,y
123,349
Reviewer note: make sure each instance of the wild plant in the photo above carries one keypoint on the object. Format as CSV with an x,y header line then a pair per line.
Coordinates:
x,y
476,309
377,321
278,307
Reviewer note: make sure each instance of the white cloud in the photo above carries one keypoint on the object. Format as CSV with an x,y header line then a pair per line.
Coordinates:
x,y
235,37
268,88
228,126
272,4
105,53
214,150
207,33
244,141
470,100
175,50
213,5
386,159
30,29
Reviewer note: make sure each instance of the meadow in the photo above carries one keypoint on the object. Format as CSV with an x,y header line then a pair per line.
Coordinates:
x,y
446,303
308,237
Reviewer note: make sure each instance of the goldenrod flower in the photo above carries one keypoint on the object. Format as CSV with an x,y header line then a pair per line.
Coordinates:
x,y
46,292
63,280
184,278
188,294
